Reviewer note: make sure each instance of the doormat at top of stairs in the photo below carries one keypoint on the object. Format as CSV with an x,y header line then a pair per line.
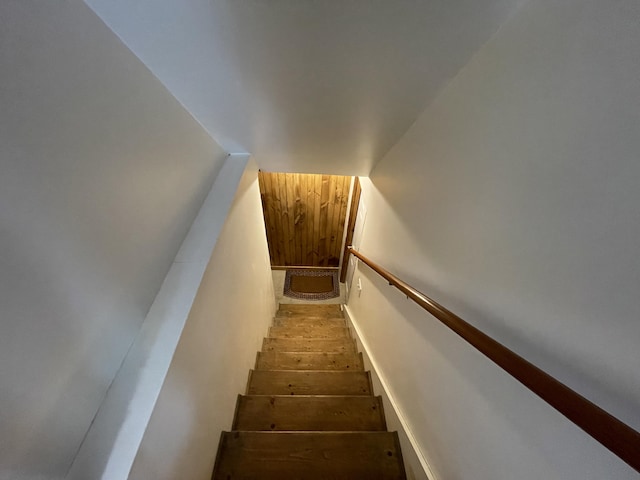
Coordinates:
x,y
311,284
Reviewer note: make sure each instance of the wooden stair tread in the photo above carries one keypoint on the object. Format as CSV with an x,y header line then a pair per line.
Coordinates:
x,y
309,361
309,322
309,412
309,310
308,382
309,332
309,456
342,344
288,413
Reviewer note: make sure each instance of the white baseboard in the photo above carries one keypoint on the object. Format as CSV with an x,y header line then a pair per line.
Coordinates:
x,y
416,464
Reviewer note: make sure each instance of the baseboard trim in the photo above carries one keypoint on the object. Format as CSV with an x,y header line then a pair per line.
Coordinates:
x,y
416,464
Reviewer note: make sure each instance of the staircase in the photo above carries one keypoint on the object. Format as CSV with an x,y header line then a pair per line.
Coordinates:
x,y
309,411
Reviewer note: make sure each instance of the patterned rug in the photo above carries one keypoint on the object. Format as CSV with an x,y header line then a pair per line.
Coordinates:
x,y
311,284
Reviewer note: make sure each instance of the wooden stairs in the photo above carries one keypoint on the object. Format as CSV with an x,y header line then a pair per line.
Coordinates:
x,y
309,411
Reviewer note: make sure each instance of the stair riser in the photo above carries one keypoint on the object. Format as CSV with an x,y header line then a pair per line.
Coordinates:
x,y
282,413
338,456
309,310
308,332
309,322
341,345
308,383
308,361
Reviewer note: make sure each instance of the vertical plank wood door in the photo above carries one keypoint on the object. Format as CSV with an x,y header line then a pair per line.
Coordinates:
x,y
304,217
351,226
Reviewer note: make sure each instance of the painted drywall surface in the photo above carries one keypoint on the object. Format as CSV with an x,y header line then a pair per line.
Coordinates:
x,y
305,85
416,466
102,172
513,200
230,316
111,444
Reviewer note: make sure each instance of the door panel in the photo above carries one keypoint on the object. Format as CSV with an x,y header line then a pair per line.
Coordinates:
x,y
304,217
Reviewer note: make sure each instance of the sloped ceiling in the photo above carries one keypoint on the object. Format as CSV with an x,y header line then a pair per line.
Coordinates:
x,y
316,86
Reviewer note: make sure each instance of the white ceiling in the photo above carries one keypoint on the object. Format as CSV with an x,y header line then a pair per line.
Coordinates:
x,y
321,86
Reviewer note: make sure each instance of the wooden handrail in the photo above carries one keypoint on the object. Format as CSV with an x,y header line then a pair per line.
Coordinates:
x,y
615,435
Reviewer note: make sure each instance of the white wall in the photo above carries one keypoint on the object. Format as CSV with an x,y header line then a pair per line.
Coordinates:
x,y
230,315
111,444
102,172
513,200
